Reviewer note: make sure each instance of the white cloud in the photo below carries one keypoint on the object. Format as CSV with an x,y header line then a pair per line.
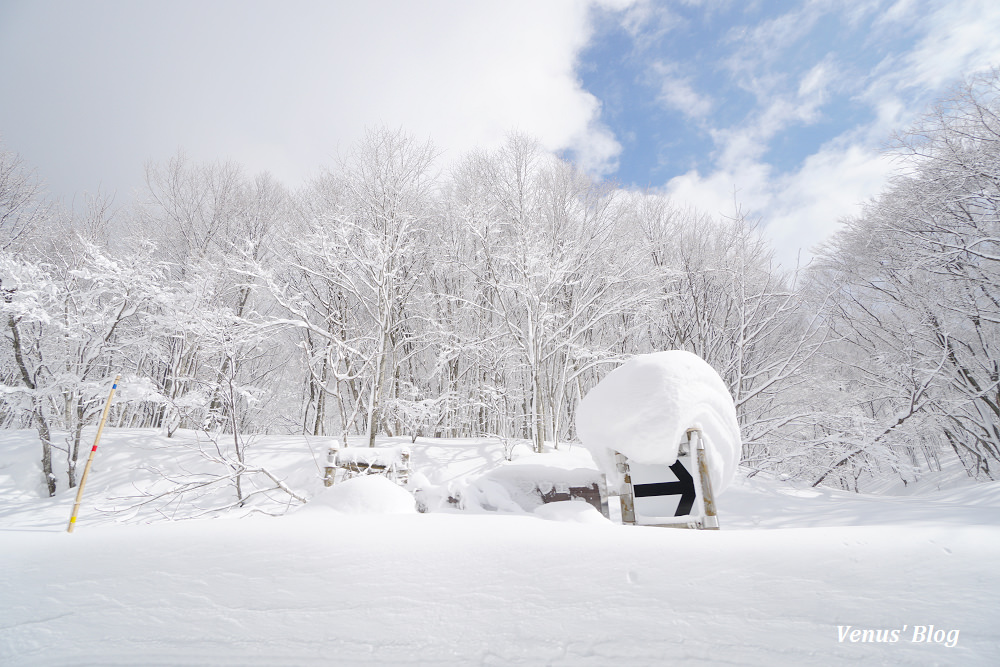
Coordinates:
x,y
596,149
745,185
97,89
648,21
759,47
901,11
807,205
961,38
956,40
747,142
800,209
677,92
814,83
804,206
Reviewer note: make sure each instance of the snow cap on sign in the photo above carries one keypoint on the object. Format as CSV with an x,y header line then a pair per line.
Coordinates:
x,y
644,407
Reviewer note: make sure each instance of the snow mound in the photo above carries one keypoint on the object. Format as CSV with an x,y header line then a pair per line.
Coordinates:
x,y
368,494
576,511
644,407
518,486
526,478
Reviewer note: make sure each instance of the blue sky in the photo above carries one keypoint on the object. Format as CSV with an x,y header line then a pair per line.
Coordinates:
x,y
665,86
779,107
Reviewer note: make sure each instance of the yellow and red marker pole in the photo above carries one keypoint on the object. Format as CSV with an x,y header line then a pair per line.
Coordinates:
x,y
90,459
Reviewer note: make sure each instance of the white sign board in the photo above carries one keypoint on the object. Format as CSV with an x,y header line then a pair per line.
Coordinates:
x,y
666,494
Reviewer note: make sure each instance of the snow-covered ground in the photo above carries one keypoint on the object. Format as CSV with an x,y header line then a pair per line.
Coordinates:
x,y
796,576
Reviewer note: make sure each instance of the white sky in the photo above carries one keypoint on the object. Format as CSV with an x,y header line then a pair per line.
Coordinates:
x,y
94,89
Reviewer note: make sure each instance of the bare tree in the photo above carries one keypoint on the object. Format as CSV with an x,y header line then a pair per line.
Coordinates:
x,y
543,256
355,258
916,278
22,205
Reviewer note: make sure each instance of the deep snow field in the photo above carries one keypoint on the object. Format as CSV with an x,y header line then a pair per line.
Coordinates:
x,y
796,576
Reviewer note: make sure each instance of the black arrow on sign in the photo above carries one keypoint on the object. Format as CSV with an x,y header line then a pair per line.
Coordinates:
x,y
683,487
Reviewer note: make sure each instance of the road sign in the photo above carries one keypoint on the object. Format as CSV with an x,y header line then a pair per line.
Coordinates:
x,y
678,494
662,493
683,488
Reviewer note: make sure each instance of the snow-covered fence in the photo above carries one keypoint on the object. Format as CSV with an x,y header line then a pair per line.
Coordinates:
x,y
392,462
518,486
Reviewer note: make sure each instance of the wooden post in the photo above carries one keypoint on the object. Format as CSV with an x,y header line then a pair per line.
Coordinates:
x,y
711,520
330,472
90,459
401,472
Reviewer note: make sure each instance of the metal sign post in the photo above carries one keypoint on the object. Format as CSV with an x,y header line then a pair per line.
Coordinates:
x,y
710,519
626,496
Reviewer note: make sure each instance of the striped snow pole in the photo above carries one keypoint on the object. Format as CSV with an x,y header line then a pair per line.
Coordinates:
x,y
90,459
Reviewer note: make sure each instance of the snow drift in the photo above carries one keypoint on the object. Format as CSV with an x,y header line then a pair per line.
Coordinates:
x,y
367,494
644,407
517,486
341,581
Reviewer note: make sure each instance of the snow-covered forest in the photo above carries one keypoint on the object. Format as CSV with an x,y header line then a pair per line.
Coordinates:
x,y
395,296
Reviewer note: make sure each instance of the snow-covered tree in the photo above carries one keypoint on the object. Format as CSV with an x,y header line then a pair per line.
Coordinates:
x,y
917,300
355,258
215,227
551,267
73,322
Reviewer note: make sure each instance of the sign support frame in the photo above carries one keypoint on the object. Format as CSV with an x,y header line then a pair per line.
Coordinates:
x,y
693,447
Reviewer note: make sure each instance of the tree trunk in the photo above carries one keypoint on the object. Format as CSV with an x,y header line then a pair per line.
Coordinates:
x,y
44,434
74,451
538,421
46,437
